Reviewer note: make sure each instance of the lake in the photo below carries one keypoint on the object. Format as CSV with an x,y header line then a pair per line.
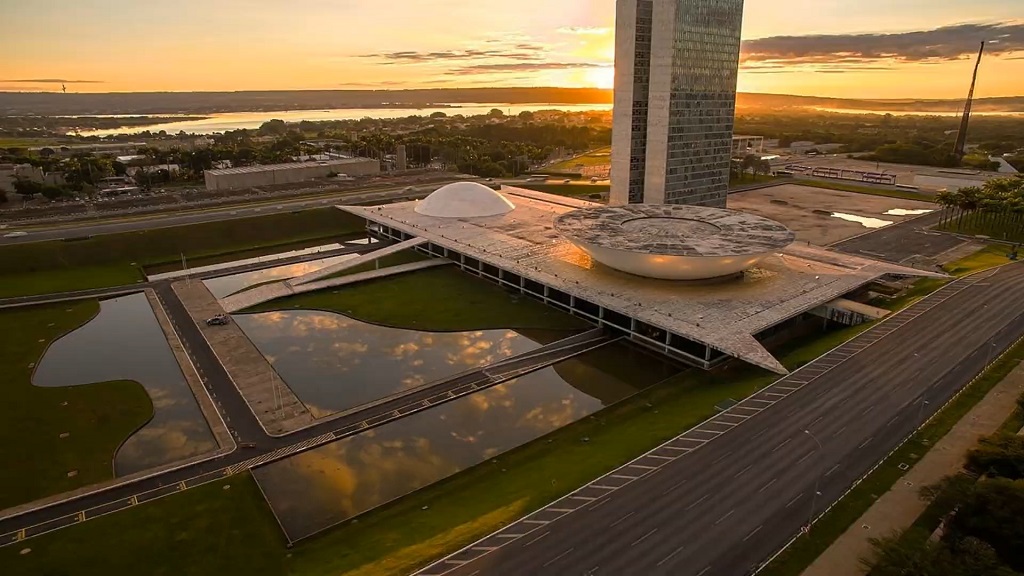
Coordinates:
x,y
125,342
335,363
314,490
223,122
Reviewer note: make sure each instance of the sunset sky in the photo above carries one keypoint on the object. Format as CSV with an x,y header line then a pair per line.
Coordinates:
x,y
843,48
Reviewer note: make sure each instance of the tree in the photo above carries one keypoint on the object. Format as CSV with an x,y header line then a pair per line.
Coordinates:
x,y
51,192
999,455
3,196
27,188
436,115
994,513
496,113
749,162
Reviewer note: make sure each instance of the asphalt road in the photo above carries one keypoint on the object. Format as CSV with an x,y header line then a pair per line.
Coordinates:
x,y
165,220
725,507
903,240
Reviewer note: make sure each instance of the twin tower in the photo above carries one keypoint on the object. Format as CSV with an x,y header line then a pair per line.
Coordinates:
x,y
676,63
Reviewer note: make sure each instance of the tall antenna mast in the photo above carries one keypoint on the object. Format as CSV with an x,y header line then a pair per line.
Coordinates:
x,y
961,135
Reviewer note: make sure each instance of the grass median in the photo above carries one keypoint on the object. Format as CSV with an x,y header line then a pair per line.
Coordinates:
x,y
118,259
403,535
845,187
97,418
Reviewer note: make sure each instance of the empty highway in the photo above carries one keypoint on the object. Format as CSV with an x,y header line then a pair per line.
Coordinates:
x,y
722,498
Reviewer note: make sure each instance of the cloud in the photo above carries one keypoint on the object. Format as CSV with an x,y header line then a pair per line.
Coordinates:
x,y
585,31
520,52
857,51
52,81
525,67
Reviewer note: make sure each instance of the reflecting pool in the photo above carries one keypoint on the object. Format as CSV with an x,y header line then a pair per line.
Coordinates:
x,y
334,363
907,212
314,490
227,285
125,342
862,220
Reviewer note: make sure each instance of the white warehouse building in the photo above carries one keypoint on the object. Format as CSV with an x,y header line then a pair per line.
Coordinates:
x,y
271,174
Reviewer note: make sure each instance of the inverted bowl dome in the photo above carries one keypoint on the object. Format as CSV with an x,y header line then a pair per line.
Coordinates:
x,y
673,241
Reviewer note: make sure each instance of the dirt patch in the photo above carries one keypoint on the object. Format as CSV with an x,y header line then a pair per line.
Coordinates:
x,y
807,210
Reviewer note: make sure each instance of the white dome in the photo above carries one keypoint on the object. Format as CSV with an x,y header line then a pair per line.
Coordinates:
x,y
464,200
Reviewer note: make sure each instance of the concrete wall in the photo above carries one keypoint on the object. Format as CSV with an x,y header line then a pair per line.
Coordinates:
x,y
287,174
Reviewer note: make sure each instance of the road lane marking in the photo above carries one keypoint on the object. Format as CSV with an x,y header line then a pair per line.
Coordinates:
x,y
660,457
674,486
535,539
759,434
765,487
600,502
806,456
531,521
702,498
557,558
754,531
485,548
560,510
831,470
838,432
623,476
587,498
793,501
601,487
866,442
704,571
621,519
784,442
727,514
642,538
741,472
508,535
894,419
643,467
722,457
816,420
670,447
672,555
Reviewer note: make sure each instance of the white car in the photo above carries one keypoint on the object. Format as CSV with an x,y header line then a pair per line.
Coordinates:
x,y
15,234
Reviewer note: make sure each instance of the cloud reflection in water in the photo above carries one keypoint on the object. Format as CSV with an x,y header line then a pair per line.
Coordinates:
x,y
125,342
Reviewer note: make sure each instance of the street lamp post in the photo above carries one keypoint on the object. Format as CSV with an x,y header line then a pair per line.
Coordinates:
x,y
920,412
817,483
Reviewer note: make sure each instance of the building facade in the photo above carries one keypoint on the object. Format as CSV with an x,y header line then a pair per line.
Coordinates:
x,y
275,174
676,64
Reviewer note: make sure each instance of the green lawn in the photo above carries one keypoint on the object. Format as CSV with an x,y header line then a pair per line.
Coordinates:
x,y
116,259
98,417
209,530
442,299
576,190
845,187
598,157
396,538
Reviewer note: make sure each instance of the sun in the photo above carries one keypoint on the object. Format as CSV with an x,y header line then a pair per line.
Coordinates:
x,y
600,77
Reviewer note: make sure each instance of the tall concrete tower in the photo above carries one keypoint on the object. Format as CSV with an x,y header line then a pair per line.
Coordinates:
x,y
676,63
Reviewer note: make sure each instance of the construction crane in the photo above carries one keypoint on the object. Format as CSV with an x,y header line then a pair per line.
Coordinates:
x,y
961,135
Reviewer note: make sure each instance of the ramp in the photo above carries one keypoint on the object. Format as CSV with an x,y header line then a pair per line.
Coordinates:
x,y
347,264
268,292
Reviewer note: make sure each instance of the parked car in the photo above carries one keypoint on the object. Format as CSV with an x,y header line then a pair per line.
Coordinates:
x,y
218,320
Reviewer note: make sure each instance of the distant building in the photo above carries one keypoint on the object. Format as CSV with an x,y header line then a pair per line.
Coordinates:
x,y
743,145
11,172
101,148
676,64
272,174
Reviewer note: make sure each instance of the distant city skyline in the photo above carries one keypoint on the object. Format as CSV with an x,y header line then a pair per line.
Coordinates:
x,y
837,48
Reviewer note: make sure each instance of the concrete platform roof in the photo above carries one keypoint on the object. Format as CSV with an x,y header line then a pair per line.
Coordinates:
x,y
724,315
675,230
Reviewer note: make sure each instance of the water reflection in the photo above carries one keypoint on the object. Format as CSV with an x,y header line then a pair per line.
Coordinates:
x,y
317,489
907,212
125,342
227,285
862,220
334,363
